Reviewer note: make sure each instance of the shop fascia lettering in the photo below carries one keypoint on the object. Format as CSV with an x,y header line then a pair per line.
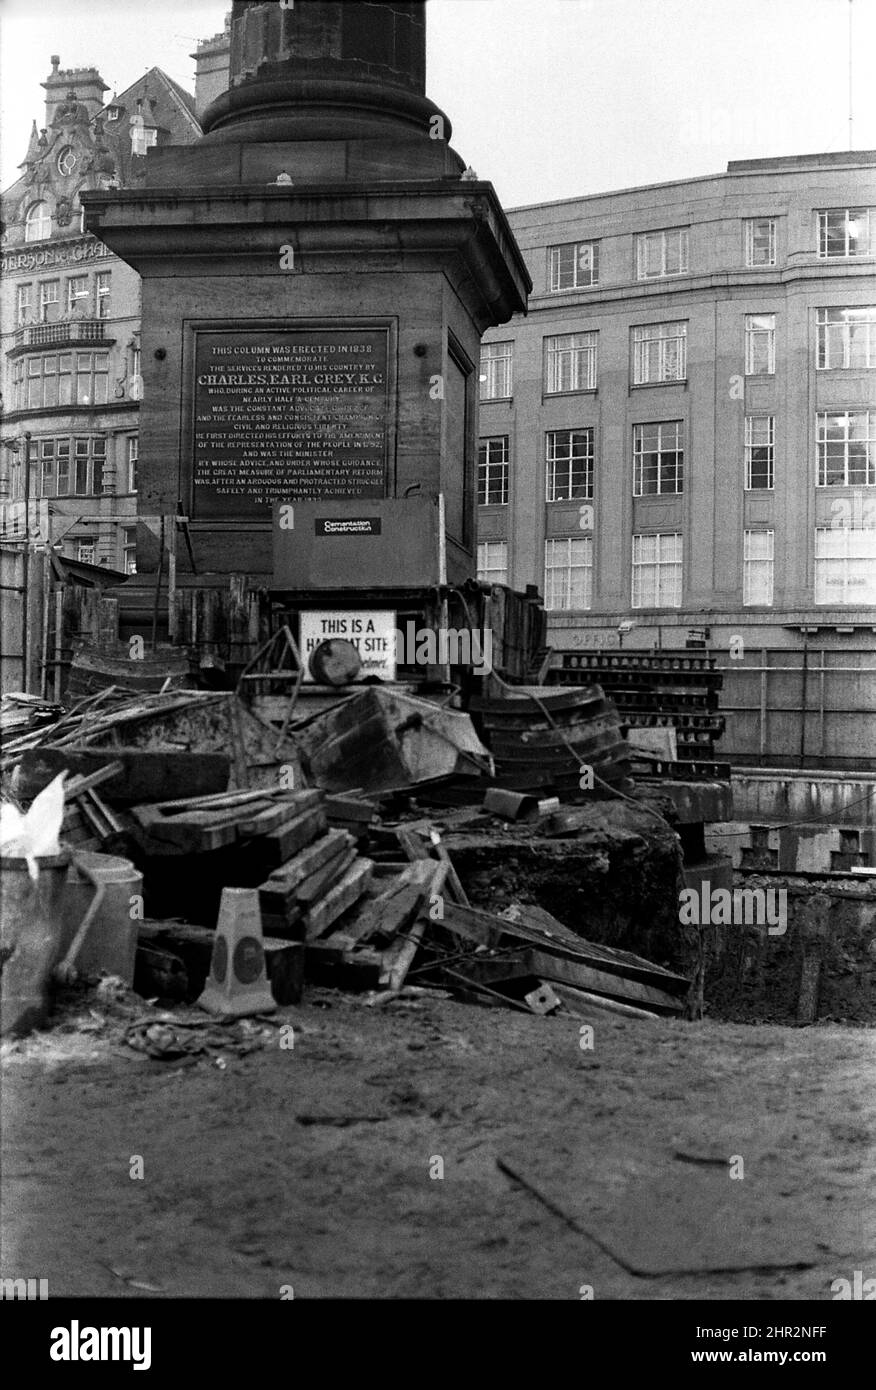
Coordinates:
x,y
70,253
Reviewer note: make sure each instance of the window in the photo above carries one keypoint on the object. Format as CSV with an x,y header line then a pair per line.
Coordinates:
x,y
92,378
570,362
133,457
22,304
77,292
43,455
89,457
62,453
657,564
760,241
568,573
659,353
846,232
661,253
85,550
846,447
760,451
136,358
497,361
493,562
38,223
493,471
757,567
845,564
48,382
760,344
49,296
129,550
658,458
573,266
33,465
845,338
103,294
569,464
142,137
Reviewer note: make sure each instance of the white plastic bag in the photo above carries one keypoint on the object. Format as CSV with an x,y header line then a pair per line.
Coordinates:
x,y
35,832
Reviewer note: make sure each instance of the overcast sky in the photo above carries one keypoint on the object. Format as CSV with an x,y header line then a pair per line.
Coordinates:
x,y
548,98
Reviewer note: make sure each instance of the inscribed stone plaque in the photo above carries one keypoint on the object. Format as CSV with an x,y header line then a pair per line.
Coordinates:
x,y
288,415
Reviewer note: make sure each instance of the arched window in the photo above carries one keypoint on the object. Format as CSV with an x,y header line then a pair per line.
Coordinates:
x,y
38,223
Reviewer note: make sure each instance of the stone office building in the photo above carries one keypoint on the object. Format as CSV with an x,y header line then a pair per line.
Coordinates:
x,y
70,315
682,432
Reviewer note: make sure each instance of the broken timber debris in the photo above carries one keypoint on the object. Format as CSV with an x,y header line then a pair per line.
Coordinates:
x,y
325,905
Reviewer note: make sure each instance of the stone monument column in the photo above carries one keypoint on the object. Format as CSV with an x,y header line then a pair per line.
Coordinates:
x,y
317,273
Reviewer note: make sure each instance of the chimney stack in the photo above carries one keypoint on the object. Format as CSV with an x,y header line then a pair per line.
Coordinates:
x,y
86,83
212,68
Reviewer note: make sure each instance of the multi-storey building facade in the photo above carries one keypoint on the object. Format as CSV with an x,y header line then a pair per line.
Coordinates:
x,y
682,432
70,314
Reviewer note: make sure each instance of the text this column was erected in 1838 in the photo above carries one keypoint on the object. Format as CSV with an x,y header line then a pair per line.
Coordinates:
x,y
286,415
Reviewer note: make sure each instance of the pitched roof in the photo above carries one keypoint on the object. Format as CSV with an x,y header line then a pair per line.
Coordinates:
x,y
182,99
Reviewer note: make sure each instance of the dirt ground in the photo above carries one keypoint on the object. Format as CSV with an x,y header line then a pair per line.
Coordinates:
x,y
316,1167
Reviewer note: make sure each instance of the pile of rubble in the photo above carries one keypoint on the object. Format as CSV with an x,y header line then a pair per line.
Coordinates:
x,y
197,864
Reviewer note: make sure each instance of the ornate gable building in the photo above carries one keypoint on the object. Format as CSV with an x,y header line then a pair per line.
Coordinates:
x,y
70,315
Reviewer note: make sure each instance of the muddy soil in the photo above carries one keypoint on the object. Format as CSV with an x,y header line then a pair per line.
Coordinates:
x,y
316,1167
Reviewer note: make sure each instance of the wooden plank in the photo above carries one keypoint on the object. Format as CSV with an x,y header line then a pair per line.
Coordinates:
x,y
587,1004
457,891
411,843
398,960
85,782
551,967
374,912
280,887
316,887
256,822
198,832
607,957
489,930
336,902
302,800
410,837
278,847
532,963
416,885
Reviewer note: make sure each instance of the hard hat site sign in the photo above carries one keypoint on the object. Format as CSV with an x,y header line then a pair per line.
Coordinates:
x,y
372,633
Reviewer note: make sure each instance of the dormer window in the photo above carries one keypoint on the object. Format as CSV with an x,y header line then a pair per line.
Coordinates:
x,y
112,113
142,136
38,222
